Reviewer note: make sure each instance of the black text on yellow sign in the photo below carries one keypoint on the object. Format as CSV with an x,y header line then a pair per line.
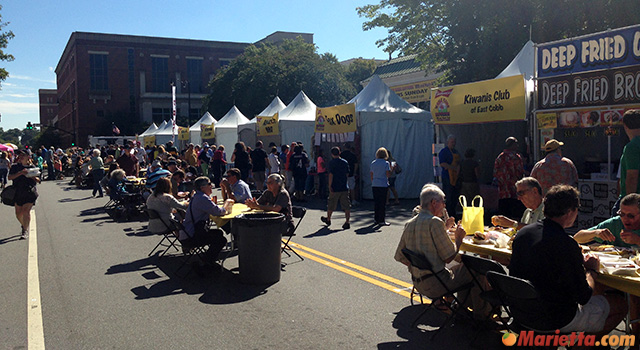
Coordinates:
x,y
268,126
336,119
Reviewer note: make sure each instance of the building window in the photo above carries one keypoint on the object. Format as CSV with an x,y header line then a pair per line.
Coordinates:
x,y
160,114
194,75
224,62
194,114
160,74
98,72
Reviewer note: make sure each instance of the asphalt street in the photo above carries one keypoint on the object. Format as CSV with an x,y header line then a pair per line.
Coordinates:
x,y
98,289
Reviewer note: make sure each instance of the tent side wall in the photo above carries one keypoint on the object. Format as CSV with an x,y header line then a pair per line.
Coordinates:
x,y
297,130
227,137
409,139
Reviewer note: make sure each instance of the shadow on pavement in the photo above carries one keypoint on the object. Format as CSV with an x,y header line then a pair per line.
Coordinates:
x,y
67,200
10,239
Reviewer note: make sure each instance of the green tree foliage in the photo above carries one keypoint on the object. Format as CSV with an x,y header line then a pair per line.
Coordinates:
x,y
253,79
4,41
359,70
475,40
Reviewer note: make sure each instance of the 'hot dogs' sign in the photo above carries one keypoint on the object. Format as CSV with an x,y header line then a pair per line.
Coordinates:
x,y
604,50
337,119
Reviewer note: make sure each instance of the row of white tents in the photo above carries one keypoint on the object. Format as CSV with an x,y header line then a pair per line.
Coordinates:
x,y
383,118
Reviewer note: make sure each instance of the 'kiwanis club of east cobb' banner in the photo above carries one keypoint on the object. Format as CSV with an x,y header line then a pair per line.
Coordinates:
x,y
336,119
268,126
483,101
208,131
183,133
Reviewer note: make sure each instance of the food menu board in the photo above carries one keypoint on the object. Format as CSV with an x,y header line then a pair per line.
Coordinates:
x,y
596,200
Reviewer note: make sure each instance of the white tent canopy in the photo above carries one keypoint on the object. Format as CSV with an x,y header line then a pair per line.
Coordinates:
x,y
195,129
150,130
227,128
164,133
386,120
297,120
247,131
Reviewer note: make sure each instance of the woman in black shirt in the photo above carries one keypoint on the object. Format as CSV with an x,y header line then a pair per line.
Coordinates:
x,y
26,194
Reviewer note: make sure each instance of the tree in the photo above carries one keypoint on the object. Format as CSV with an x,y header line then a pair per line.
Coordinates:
x,y
359,70
475,40
252,80
4,41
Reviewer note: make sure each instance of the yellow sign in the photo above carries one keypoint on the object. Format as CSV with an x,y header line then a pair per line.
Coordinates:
x,y
268,126
183,133
149,141
484,101
208,131
415,92
336,119
547,120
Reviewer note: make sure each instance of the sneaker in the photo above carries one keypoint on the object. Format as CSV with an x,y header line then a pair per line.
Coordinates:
x,y
24,234
383,223
346,226
325,220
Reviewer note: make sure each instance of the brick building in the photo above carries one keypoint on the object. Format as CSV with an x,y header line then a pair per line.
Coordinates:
x,y
126,79
48,99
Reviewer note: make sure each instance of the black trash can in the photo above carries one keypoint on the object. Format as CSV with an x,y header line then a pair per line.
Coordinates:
x,y
259,236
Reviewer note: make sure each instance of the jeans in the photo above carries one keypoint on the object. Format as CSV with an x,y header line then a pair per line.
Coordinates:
x,y
379,203
451,194
98,174
3,176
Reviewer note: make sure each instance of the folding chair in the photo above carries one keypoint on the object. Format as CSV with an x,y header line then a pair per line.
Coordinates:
x,y
298,213
519,298
168,233
480,266
422,263
188,252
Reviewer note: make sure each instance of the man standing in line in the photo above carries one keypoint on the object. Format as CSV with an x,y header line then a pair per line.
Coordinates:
x,y
259,159
507,169
450,162
630,160
352,159
555,169
338,191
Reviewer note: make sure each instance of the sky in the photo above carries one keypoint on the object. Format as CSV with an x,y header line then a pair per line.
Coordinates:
x,y
43,27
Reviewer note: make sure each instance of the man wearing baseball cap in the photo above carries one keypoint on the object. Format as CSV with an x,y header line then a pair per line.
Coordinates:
x,y
554,169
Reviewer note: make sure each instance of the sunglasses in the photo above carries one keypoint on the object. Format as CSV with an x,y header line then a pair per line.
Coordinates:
x,y
629,216
523,192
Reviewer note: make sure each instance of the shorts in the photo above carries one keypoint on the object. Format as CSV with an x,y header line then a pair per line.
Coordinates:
x,y
342,197
351,183
24,196
258,176
589,317
392,182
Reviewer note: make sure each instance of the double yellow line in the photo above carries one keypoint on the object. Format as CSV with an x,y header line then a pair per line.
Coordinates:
x,y
383,281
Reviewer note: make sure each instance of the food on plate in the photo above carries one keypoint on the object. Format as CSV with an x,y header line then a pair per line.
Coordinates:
x,y
601,247
611,117
590,118
569,119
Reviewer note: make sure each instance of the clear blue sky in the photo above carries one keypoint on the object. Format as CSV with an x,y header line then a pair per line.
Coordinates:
x,y
42,28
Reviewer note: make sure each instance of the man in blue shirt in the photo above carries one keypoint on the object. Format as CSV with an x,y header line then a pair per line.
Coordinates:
x,y
234,188
338,191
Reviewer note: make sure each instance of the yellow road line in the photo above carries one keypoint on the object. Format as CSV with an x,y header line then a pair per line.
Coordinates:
x,y
317,256
35,331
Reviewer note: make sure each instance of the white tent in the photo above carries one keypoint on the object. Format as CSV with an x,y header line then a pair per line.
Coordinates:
x,y
164,133
386,120
247,131
150,130
297,121
227,128
195,129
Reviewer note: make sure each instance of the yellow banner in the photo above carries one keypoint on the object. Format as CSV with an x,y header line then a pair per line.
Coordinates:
x,y
336,119
547,120
149,141
208,131
183,133
484,101
415,92
268,126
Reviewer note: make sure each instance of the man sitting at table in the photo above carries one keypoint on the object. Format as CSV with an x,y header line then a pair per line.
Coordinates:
x,y
234,188
154,173
425,234
622,230
552,261
275,198
529,192
195,233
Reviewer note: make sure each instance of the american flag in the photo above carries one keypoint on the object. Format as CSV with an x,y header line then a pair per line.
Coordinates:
x,y
115,129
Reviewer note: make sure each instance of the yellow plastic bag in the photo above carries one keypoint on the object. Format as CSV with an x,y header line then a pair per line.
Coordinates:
x,y
472,217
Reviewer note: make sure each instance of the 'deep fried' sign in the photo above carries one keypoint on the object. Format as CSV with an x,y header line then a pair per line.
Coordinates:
x,y
337,119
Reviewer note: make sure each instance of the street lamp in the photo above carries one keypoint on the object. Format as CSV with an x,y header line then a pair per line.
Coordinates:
x,y
185,85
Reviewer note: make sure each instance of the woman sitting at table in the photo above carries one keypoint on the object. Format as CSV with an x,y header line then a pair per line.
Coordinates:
x,y
164,204
196,233
116,184
275,198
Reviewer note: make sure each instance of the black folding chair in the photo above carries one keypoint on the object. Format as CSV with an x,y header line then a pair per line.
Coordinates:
x,y
455,307
298,213
188,252
480,266
167,235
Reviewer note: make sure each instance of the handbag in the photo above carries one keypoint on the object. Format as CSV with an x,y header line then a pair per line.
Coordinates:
x,y
397,168
8,195
472,216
